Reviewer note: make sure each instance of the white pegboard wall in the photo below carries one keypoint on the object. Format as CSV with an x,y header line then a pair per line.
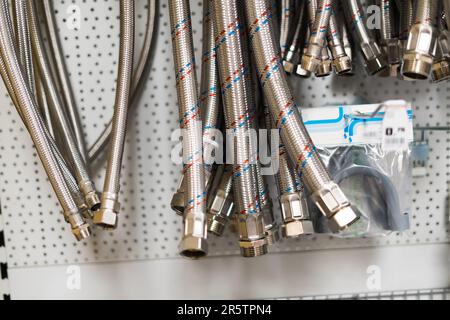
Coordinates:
x,y
36,233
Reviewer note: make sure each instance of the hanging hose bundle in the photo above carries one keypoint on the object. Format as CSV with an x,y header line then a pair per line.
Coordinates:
x,y
326,194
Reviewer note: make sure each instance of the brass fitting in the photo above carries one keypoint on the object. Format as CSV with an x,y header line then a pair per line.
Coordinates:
x,y
288,66
324,69
334,205
252,238
420,50
311,59
107,216
194,245
295,213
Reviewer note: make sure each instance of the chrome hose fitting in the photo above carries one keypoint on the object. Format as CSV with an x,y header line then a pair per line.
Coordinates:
x,y
334,205
421,46
299,71
80,229
312,59
270,224
194,244
177,202
221,205
295,213
324,69
389,36
107,216
341,62
374,58
91,197
299,34
441,65
252,238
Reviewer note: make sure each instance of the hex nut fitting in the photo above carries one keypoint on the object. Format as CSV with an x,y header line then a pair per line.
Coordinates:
x,y
297,228
288,66
107,216
217,224
441,70
334,205
299,71
252,235
324,69
193,247
420,50
310,64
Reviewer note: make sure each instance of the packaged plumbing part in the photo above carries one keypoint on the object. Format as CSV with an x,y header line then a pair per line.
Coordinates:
x,y
367,150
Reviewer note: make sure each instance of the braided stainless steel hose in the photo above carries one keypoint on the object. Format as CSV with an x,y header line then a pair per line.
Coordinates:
x,y
73,155
17,85
421,46
389,33
210,101
103,140
193,245
317,38
311,8
220,201
287,19
325,193
374,58
63,80
25,55
297,37
107,215
234,74
23,40
446,4
341,61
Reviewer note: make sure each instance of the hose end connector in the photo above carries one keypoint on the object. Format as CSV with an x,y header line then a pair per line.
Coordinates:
x,y
342,65
334,205
220,212
80,229
324,69
252,234
270,225
294,210
441,70
194,245
177,204
107,216
299,71
90,195
288,66
420,50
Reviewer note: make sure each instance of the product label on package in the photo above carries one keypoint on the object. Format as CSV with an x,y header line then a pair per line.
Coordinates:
x,y
389,124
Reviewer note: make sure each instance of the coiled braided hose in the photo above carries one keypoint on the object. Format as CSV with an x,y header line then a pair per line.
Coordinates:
x,y
110,207
193,244
16,83
104,138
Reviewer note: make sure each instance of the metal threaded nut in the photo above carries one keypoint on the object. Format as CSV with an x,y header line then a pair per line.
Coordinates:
x,y
254,251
